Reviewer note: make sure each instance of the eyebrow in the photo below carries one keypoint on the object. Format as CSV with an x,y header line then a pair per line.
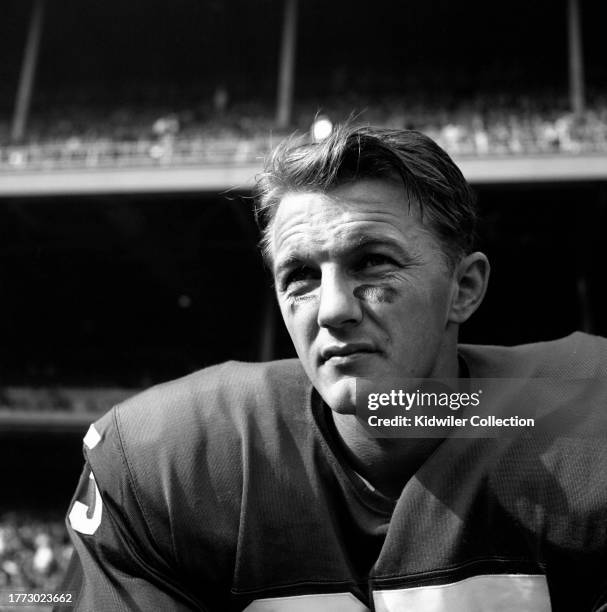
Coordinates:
x,y
367,240
286,263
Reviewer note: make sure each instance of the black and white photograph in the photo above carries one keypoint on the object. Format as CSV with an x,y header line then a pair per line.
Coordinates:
x,y
303,306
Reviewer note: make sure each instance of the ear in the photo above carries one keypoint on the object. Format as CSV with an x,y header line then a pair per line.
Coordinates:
x,y
470,284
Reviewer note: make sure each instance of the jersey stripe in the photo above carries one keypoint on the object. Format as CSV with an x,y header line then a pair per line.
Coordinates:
x,y
330,602
491,593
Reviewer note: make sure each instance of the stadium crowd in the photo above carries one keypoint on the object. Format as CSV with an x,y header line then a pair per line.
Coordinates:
x,y
217,131
34,552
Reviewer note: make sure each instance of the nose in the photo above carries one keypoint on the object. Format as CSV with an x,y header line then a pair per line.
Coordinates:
x,y
338,307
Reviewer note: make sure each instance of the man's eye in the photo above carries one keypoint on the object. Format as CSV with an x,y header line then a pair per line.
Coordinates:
x,y
374,260
299,275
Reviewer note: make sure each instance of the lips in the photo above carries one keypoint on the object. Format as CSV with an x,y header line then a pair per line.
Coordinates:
x,y
346,350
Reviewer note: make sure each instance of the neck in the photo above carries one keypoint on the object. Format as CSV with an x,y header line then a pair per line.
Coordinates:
x,y
388,463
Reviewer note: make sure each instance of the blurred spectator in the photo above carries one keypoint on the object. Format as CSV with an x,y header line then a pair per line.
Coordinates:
x,y
44,560
220,99
34,552
481,138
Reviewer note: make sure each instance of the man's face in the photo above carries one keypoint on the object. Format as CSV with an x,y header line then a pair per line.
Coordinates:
x,y
363,287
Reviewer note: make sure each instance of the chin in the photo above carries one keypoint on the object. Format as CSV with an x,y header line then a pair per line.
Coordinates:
x,y
340,395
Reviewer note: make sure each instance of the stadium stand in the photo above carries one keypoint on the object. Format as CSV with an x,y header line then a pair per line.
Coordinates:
x,y
243,133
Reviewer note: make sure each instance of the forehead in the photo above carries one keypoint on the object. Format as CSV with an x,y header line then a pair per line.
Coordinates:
x,y
344,217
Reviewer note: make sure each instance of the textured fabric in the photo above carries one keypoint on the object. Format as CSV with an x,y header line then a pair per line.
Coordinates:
x,y
224,490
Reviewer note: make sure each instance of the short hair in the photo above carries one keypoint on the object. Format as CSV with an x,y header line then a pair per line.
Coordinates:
x,y
350,153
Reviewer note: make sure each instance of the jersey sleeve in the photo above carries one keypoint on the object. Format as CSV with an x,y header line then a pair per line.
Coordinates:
x,y
117,563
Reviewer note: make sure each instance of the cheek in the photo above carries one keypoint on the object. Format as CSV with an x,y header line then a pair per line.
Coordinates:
x,y
409,312
300,316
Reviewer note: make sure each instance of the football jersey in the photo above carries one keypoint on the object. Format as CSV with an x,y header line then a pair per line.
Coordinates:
x,y
227,490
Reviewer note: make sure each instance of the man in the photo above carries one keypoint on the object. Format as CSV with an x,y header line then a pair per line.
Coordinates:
x,y
257,487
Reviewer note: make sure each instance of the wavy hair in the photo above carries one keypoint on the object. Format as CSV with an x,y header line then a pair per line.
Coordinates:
x,y
430,179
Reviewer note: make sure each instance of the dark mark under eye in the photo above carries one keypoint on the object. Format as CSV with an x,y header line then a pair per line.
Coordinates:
x,y
375,293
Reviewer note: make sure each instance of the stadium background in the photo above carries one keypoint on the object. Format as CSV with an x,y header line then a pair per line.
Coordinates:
x,y
127,241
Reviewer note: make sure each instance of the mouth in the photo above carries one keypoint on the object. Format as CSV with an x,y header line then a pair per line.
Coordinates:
x,y
345,353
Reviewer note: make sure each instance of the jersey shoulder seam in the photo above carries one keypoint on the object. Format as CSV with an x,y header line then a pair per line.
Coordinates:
x,y
133,484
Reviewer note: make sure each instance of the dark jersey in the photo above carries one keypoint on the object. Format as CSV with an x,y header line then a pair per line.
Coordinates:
x,y
226,490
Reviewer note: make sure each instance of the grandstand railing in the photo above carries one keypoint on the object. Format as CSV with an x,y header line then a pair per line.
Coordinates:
x,y
107,153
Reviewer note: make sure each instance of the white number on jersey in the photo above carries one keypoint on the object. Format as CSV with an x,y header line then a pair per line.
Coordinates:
x,y
78,514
